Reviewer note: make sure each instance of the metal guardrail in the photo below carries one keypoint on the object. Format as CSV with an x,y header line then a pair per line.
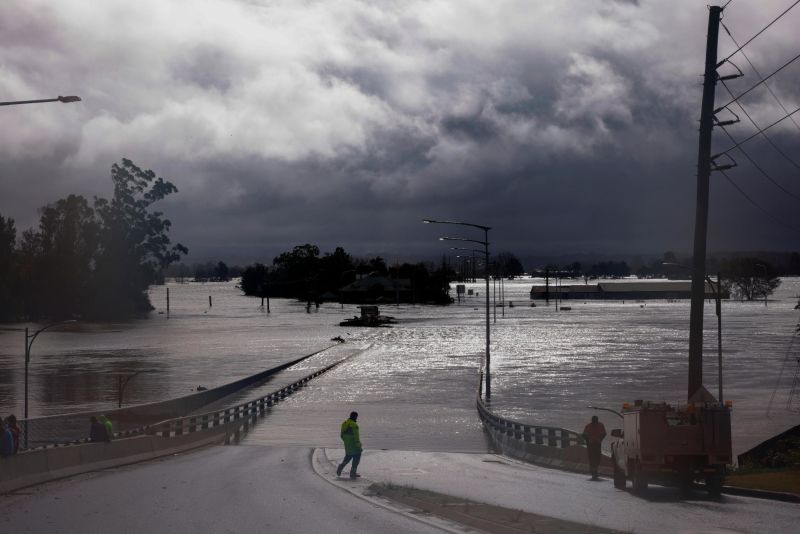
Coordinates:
x,y
540,435
242,413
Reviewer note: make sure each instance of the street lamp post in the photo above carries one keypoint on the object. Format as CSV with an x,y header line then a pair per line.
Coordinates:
x,y
62,99
29,339
485,244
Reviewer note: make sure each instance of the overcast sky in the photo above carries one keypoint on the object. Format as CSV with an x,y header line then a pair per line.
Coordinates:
x,y
568,126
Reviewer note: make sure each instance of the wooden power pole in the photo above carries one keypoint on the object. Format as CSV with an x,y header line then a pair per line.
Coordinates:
x,y
701,214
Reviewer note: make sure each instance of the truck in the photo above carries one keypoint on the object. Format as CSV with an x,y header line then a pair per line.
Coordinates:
x,y
669,444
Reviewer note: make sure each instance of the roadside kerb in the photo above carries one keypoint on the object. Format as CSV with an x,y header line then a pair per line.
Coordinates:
x,y
161,439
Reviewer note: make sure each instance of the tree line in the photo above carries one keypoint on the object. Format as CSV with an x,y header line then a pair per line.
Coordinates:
x,y
305,274
93,260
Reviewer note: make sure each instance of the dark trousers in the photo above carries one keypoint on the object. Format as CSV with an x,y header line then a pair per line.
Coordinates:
x,y
356,457
593,449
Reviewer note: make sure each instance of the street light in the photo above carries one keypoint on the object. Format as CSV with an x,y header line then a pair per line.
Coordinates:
x,y
717,296
62,99
29,339
485,244
473,257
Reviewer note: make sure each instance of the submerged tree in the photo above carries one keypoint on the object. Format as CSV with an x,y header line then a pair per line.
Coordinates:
x,y
750,278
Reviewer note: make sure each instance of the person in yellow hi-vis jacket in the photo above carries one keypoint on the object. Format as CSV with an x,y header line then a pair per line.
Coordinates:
x,y
352,445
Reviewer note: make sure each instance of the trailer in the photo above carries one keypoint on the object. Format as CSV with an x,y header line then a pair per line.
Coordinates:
x,y
672,444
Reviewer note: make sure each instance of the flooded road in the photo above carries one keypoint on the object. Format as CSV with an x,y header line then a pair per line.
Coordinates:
x,y
547,366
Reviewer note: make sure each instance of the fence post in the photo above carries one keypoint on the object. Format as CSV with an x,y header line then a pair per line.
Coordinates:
x,y
551,438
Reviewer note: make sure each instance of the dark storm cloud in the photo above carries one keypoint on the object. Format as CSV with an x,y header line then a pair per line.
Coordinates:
x,y
567,126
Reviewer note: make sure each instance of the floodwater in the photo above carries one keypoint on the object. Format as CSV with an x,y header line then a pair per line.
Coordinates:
x,y
415,383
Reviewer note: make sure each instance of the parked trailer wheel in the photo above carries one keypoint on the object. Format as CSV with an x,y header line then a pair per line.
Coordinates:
x,y
639,479
619,474
714,484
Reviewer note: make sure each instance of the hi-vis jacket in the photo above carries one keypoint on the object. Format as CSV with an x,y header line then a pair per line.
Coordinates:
x,y
352,441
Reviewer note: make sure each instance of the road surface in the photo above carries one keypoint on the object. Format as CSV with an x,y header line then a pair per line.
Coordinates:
x,y
262,488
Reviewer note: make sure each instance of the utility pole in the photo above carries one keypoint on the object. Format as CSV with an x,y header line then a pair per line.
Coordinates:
x,y
701,213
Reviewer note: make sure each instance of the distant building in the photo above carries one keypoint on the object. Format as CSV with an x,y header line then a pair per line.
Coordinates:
x,y
627,290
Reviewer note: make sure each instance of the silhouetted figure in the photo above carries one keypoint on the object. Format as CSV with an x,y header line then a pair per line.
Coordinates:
x,y
6,439
11,422
594,433
352,445
97,431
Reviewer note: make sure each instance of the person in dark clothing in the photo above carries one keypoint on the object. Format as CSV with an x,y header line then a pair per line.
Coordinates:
x,y
594,433
6,439
11,422
352,445
97,431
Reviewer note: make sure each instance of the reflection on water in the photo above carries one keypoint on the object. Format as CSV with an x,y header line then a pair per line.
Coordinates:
x,y
418,378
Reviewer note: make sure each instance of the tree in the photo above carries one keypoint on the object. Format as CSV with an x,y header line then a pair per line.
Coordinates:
x,y
8,239
221,272
508,265
67,243
133,242
750,278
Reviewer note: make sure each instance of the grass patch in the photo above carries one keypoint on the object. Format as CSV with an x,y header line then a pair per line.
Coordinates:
x,y
783,480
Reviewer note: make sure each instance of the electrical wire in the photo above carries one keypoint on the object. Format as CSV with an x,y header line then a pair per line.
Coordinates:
x,y
763,80
760,169
726,4
761,31
768,138
757,74
757,205
762,130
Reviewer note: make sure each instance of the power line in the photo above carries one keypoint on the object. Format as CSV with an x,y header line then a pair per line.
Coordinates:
x,y
761,31
757,74
754,203
760,169
762,130
763,80
768,138
726,4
